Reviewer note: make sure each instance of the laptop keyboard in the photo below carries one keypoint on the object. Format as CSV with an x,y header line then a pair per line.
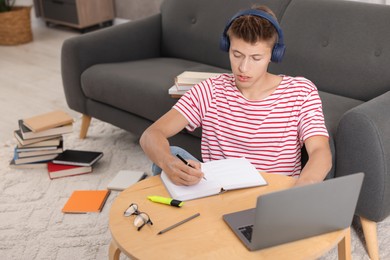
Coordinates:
x,y
247,232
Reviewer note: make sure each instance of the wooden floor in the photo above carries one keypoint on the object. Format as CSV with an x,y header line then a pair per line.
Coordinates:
x,y
30,77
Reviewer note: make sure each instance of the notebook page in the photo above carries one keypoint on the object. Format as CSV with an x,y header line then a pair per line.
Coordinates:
x,y
233,173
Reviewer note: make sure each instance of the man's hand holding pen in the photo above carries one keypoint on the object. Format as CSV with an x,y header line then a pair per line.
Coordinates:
x,y
183,173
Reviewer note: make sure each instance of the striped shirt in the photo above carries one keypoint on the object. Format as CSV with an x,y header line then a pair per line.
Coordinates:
x,y
269,132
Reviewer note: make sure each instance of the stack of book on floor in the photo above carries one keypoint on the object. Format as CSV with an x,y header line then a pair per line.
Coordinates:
x,y
72,163
186,80
39,139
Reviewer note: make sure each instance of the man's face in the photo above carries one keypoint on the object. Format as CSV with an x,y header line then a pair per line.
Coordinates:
x,y
249,62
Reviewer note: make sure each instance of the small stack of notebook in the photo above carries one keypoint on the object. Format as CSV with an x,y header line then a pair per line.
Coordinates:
x,y
39,139
186,80
72,162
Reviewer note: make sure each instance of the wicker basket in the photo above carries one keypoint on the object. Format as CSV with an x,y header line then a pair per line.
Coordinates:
x,y
15,26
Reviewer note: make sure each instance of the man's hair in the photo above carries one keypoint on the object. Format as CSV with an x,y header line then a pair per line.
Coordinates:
x,y
252,28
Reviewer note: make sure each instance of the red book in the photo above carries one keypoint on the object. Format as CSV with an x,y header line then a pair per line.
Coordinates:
x,y
60,170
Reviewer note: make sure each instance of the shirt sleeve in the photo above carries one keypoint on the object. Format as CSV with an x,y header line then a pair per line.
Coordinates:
x,y
194,103
311,119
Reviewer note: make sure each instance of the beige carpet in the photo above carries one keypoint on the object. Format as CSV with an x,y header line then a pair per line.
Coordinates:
x,y
33,227
31,223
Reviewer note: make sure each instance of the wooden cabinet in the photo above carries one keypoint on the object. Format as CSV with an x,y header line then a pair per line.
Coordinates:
x,y
77,13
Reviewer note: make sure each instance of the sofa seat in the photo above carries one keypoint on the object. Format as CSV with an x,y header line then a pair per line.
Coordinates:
x,y
147,96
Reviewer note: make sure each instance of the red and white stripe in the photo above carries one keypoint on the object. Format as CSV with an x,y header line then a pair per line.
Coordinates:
x,y
269,132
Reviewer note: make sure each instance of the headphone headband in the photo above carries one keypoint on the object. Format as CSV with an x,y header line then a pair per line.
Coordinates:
x,y
279,47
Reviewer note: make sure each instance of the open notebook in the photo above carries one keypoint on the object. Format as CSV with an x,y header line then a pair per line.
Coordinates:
x,y
221,175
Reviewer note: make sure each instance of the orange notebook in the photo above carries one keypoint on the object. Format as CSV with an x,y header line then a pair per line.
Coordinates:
x,y
83,201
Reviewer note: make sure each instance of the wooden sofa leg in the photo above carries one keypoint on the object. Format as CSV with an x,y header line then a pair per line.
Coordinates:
x,y
370,235
86,121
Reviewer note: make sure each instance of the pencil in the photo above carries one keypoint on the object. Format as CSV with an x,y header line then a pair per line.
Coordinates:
x,y
178,223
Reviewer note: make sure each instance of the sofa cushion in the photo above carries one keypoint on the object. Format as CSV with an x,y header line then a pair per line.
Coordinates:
x,y
138,87
341,57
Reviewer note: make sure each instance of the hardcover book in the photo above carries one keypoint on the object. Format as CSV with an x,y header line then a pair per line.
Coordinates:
x,y
221,176
39,153
22,141
187,79
35,151
83,201
60,170
33,159
173,91
48,120
45,143
78,157
49,133
34,165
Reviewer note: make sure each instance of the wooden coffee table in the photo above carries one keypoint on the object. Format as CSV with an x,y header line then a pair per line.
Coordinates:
x,y
207,236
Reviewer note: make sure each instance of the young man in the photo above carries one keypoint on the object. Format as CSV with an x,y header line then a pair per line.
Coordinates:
x,y
250,113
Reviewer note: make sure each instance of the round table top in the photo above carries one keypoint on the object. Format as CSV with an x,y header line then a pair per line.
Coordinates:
x,y
206,236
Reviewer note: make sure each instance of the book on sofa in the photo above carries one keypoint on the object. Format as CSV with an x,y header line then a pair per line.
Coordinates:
x,y
188,79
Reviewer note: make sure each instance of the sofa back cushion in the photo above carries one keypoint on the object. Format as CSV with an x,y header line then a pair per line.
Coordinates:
x,y
342,46
192,28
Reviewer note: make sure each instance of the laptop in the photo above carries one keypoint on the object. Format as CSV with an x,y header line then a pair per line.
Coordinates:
x,y
297,213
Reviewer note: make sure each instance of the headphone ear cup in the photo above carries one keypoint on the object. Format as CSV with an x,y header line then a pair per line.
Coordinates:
x,y
224,43
278,52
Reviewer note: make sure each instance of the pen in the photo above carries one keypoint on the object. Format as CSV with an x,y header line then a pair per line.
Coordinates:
x,y
186,163
178,223
168,201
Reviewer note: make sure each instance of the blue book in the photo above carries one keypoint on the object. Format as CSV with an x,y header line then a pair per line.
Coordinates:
x,y
32,159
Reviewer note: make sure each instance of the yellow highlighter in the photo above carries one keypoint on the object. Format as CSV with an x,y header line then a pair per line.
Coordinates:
x,y
167,201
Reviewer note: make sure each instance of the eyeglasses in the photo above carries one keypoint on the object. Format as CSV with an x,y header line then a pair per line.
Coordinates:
x,y
141,218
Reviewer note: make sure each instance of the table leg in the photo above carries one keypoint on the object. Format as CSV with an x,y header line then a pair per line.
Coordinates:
x,y
344,246
113,251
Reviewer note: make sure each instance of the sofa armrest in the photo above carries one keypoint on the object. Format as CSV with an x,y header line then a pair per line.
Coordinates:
x,y
363,145
135,40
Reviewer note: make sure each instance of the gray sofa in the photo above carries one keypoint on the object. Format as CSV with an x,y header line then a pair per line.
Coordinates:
x,y
122,74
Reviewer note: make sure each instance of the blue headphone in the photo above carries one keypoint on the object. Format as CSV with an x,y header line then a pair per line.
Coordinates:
x,y
279,47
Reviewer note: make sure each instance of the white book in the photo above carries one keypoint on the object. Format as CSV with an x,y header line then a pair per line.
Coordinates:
x,y
59,130
193,77
175,92
221,176
186,80
41,152
125,179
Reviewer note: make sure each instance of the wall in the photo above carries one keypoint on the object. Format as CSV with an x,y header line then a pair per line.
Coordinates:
x,y
135,9
384,2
